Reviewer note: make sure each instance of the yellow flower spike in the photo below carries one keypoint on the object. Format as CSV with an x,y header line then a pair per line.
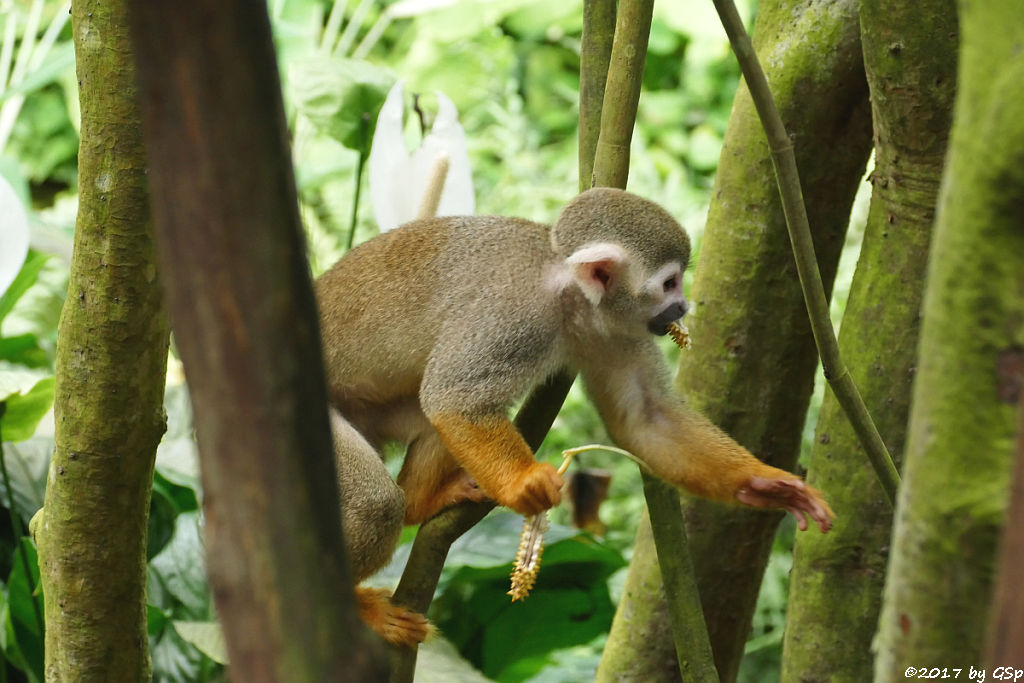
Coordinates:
x,y
680,335
531,541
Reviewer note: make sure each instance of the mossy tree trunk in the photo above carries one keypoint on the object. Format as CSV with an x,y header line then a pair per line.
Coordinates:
x,y
240,296
963,422
752,366
910,59
111,365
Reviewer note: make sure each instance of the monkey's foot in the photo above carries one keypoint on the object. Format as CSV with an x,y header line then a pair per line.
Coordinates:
x,y
393,623
464,487
796,497
461,487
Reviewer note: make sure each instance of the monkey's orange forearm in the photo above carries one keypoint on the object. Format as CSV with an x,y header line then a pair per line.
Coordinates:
x,y
495,454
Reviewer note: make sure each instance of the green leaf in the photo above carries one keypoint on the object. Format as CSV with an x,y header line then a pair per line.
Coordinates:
x,y
569,606
174,660
24,637
24,411
162,513
60,59
25,278
184,498
156,620
466,19
493,544
180,574
27,465
341,97
438,660
205,636
705,148
24,350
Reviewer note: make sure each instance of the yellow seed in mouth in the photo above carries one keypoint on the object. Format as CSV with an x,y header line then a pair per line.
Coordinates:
x,y
680,335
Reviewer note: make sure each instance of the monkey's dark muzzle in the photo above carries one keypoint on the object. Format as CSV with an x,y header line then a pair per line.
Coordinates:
x,y
659,324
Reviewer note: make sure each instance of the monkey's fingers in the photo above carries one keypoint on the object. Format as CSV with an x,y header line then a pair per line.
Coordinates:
x,y
793,495
539,489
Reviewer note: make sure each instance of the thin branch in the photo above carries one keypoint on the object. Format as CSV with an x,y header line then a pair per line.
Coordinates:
x,y
595,53
435,536
611,168
622,92
784,161
689,630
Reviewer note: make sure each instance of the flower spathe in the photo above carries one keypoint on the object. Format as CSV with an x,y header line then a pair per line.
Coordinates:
x,y
399,179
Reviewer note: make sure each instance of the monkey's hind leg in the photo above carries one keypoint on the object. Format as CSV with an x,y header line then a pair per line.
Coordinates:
x,y
433,480
393,623
372,508
372,504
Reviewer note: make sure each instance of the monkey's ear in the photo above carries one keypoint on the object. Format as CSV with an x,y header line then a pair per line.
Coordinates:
x,y
596,267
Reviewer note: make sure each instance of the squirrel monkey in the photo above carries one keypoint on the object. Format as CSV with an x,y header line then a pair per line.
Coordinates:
x,y
433,330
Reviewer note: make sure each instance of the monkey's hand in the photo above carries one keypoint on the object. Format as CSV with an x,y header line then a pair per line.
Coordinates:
x,y
494,453
793,495
536,490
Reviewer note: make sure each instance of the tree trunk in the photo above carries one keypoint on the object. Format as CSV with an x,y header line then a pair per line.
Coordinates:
x,y
111,365
630,655
239,293
963,422
1006,626
910,59
752,366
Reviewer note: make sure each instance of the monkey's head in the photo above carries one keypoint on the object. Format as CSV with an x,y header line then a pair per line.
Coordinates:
x,y
627,256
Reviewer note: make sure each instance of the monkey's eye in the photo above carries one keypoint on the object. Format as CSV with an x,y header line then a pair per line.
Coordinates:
x,y
670,284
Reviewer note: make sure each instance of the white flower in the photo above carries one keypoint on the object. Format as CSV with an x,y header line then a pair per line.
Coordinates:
x,y
399,180
13,235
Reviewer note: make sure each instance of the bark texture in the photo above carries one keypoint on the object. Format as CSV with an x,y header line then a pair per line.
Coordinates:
x,y
751,369
629,655
239,293
963,422
111,366
910,59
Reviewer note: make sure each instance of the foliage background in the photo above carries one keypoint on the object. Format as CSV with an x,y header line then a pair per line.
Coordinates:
x,y
511,68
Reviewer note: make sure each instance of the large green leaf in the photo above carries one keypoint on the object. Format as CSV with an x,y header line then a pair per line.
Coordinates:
x,y
174,659
569,606
59,60
341,97
25,278
23,635
177,592
23,349
27,464
177,574
205,636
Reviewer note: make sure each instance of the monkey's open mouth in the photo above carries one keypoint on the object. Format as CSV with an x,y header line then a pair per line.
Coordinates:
x,y
658,328
660,323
